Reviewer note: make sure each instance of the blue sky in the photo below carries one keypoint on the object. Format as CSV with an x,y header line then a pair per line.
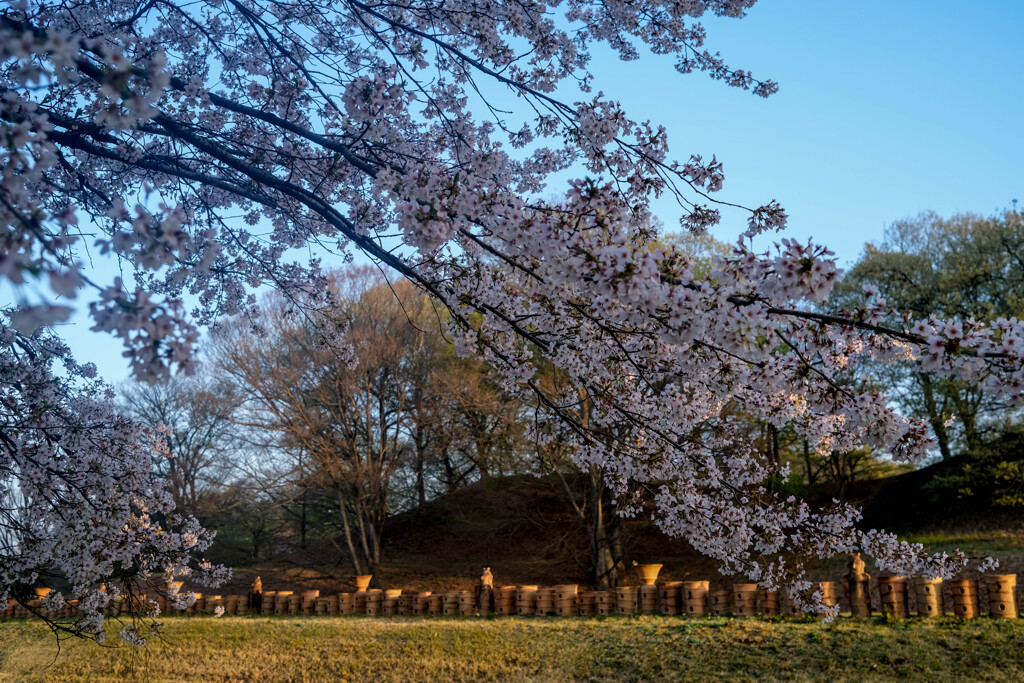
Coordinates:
x,y
885,109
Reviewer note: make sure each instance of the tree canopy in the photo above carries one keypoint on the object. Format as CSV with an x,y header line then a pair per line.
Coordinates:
x,y
968,267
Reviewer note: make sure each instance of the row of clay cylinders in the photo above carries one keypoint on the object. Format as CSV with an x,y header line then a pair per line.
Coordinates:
x,y
232,604
693,598
928,596
16,610
457,602
1001,600
205,604
563,600
647,599
287,602
743,599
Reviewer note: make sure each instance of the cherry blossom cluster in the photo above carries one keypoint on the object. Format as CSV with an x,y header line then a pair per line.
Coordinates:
x,y
77,495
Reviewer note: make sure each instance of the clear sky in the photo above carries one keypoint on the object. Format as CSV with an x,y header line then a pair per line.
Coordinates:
x,y
885,109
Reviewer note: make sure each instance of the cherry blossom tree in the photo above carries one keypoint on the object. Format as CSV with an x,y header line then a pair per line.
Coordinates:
x,y
80,512
206,143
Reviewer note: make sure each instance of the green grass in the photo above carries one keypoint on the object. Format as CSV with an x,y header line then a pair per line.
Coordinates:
x,y
1006,545
543,649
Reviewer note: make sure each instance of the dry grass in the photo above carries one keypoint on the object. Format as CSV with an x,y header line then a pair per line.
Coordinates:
x,y
542,649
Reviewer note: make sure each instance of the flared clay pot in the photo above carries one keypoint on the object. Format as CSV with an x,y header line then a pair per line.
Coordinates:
x,y
648,573
363,582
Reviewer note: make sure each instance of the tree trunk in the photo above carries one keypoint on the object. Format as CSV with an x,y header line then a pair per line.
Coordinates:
x,y
605,540
421,485
346,525
807,464
935,417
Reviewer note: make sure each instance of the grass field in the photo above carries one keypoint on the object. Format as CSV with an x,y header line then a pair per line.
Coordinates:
x,y
524,648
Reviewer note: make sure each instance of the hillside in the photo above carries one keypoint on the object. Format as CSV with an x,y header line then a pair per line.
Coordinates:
x,y
526,531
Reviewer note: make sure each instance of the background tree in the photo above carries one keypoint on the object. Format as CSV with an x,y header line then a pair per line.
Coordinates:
x,y
195,420
967,266
351,417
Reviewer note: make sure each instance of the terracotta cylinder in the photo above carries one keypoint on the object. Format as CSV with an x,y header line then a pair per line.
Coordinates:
x,y
451,603
830,592
421,605
320,607
347,603
695,597
626,600
744,599
333,605
649,599
436,604
858,595
467,603
281,602
405,603
505,600
231,604
545,601
566,601
892,593
718,602
359,602
213,602
374,602
526,599
605,602
1002,605
569,608
566,591
670,597
294,604
770,604
928,595
1002,602
269,602
390,607
485,600
965,598
587,603
790,609
1001,583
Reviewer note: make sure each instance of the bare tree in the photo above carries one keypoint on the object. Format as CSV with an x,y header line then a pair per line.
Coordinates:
x,y
195,417
350,418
